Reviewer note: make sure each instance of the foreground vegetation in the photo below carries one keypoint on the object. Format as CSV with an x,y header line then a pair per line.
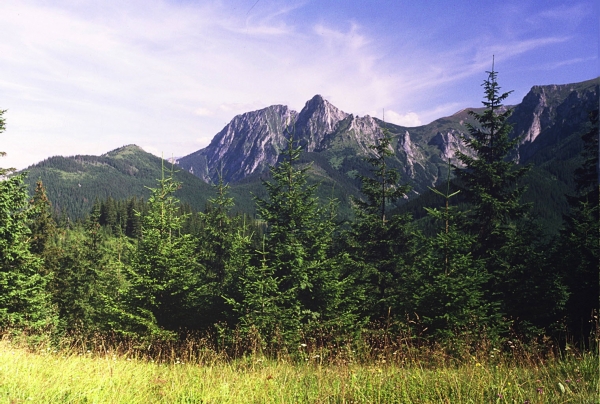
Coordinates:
x,y
197,374
148,302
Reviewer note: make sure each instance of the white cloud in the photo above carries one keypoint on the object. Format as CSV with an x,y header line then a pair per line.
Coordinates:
x,y
204,111
409,119
87,77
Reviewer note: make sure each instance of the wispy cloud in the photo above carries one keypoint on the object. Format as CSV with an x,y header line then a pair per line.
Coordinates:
x,y
85,77
571,13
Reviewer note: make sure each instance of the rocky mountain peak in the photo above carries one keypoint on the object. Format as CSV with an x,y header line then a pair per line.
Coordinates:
x,y
251,142
318,119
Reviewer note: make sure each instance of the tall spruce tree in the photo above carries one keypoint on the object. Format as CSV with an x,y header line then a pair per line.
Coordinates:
x,y
298,239
523,288
24,301
490,177
577,252
382,247
164,272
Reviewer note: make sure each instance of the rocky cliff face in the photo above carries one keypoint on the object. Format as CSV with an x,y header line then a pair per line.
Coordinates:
x,y
252,142
316,123
549,114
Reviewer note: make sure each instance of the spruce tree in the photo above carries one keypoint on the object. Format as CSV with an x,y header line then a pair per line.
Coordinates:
x,y
489,178
24,301
525,290
381,246
43,226
222,250
577,252
450,300
298,239
164,273
86,280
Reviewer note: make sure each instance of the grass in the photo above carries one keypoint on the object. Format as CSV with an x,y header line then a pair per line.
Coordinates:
x,y
77,375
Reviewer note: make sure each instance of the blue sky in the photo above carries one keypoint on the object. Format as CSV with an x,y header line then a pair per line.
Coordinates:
x,y
86,77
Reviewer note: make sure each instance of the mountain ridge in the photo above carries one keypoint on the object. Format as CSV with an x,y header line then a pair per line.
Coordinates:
x,y
549,121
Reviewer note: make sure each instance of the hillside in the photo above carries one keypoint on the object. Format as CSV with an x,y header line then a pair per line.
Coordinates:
x,y
74,183
549,121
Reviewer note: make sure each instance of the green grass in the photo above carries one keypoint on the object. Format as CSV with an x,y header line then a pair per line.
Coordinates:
x,y
43,375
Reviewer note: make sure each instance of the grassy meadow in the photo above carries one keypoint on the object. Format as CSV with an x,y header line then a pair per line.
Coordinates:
x,y
199,375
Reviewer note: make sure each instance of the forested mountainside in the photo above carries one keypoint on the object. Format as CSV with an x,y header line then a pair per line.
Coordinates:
x,y
548,123
75,183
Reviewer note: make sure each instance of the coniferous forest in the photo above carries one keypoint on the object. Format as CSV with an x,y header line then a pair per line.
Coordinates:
x,y
155,270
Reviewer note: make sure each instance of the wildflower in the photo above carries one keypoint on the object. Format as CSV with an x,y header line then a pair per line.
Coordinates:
x,y
540,390
568,381
500,395
526,402
303,345
478,364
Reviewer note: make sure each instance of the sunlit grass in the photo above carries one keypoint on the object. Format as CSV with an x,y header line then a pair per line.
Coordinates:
x,y
44,375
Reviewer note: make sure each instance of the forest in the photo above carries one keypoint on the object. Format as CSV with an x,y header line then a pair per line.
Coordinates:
x,y
296,274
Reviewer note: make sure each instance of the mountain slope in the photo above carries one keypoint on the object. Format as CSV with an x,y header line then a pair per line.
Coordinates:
x,y
549,121
74,183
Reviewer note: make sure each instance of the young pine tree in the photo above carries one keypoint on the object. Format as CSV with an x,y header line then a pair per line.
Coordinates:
x,y
298,239
43,226
450,299
223,251
86,280
577,252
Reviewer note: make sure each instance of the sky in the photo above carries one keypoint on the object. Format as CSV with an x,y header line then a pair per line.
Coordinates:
x,y
87,76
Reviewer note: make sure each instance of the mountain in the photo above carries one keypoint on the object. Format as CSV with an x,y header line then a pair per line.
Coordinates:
x,y
74,183
549,122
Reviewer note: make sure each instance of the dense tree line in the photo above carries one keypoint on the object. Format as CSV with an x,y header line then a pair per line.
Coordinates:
x,y
156,268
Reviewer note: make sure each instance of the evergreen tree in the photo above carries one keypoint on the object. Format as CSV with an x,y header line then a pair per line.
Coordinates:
x,y
382,248
298,239
86,279
490,178
577,252
223,250
450,296
23,298
133,225
505,240
164,272
42,223
263,309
